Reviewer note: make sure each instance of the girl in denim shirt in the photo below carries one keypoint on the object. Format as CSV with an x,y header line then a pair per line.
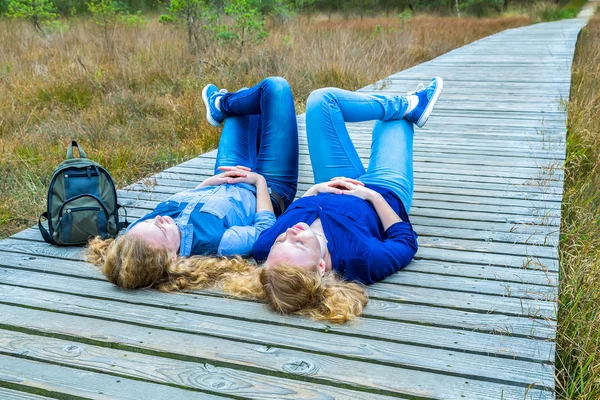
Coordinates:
x,y
255,179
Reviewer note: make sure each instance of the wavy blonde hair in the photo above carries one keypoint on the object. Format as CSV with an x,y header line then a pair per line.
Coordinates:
x,y
132,263
289,289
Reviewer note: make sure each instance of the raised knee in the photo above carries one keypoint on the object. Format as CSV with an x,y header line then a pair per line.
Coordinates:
x,y
277,83
318,97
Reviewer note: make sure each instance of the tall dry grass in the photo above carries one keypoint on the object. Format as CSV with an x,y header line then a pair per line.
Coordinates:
x,y
578,338
138,109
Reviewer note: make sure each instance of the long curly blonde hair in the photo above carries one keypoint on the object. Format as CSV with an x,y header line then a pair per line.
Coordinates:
x,y
290,289
132,263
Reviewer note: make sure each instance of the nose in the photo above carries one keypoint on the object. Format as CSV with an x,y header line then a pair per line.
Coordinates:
x,y
291,232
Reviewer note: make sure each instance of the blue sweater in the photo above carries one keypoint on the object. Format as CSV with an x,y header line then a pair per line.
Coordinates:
x,y
360,249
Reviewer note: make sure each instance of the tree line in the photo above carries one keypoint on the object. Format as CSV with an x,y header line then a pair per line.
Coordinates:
x,y
283,8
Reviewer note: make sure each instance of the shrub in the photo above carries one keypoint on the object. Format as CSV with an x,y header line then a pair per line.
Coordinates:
x,y
133,20
105,14
35,11
248,28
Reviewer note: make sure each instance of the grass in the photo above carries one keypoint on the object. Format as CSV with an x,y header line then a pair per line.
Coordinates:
x,y
546,11
138,110
578,338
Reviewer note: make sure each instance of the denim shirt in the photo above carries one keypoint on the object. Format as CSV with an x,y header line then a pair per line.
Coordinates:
x,y
218,220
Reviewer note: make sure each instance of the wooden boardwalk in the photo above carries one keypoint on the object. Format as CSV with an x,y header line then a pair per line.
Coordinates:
x,y
472,317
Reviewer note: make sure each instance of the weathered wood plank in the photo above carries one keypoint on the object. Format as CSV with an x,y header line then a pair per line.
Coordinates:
x,y
82,384
9,394
281,360
410,312
472,182
203,377
548,167
524,307
540,209
425,315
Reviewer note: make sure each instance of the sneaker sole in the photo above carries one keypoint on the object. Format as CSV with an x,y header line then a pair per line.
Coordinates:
x,y
425,116
209,118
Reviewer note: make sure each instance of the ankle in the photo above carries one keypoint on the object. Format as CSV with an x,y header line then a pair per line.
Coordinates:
x,y
413,101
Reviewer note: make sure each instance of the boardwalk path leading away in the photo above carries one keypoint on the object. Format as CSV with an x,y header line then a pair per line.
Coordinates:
x,y
472,317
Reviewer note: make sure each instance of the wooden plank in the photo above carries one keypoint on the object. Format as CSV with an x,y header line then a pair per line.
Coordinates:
x,y
521,307
517,262
426,145
169,184
412,313
469,285
203,377
129,198
489,247
9,394
488,272
493,167
365,349
549,215
433,253
446,322
81,384
479,195
199,174
276,361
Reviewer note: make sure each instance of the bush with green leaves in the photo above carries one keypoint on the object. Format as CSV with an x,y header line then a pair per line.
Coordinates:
x,y
248,27
35,11
133,20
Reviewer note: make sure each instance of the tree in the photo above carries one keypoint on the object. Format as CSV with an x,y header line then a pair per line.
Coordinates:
x,y
197,16
105,14
35,11
248,28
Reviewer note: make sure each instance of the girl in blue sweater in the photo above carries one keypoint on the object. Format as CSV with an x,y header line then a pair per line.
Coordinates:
x,y
354,222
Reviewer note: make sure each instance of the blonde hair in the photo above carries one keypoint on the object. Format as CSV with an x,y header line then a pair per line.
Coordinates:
x,y
294,290
132,263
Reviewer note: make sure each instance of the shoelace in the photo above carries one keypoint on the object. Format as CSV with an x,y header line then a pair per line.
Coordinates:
x,y
420,86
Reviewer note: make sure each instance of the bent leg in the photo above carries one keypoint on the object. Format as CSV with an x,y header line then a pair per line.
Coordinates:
x,y
265,119
237,145
391,162
277,157
332,152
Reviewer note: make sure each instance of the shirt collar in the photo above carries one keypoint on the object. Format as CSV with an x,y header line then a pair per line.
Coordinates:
x,y
187,236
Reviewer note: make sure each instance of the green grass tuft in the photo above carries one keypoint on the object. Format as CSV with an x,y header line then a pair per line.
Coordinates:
x,y
578,336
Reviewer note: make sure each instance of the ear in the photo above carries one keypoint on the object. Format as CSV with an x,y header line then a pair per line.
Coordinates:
x,y
174,256
322,267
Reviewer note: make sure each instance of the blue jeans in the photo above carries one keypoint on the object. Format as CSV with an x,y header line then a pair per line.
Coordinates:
x,y
332,152
261,133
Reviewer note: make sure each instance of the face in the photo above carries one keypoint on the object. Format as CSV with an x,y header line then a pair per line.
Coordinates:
x,y
161,231
298,246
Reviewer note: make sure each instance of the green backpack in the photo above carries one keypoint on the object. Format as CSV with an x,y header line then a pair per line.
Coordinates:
x,y
82,202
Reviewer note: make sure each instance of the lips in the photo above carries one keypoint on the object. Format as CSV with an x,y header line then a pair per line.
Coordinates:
x,y
299,227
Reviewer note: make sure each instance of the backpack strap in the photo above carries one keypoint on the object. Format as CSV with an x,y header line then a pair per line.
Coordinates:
x,y
124,224
44,232
70,150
